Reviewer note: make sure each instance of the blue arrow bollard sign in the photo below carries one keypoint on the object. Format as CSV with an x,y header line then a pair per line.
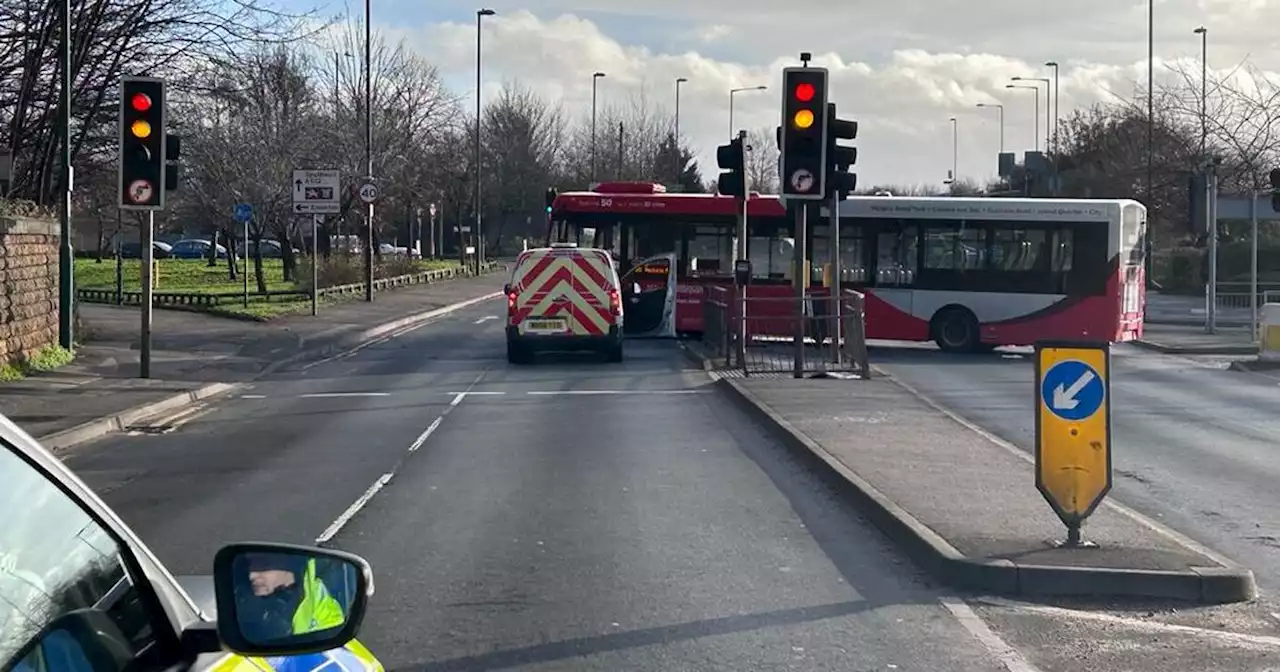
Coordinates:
x,y
1072,390
243,212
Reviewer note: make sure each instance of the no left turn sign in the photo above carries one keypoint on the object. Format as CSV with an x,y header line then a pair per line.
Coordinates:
x,y
802,181
140,191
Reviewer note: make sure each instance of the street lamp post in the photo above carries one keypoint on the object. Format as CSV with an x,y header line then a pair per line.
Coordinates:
x,y
1048,104
1000,111
679,81
479,237
1054,64
1204,88
731,94
368,147
955,150
595,77
1035,117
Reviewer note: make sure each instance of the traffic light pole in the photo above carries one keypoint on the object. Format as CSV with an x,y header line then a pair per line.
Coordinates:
x,y
801,245
148,261
742,252
834,289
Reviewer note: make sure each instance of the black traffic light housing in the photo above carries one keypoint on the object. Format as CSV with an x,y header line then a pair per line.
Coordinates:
x,y
803,141
143,155
732,159
551,198
1275,189
840,158
172,153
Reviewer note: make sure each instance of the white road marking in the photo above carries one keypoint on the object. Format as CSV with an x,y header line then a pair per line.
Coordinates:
x,y
549,393
352,510
253,396
480,394
1008,656
486,318
422,438
1224,636
336,526
329,395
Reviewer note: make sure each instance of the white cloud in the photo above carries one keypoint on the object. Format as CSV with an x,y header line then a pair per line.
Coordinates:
x,y
901,84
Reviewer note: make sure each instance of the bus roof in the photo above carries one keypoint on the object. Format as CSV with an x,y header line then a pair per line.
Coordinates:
x,y
652,199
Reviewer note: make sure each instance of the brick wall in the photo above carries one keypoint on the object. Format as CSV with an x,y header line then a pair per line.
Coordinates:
x,y
28,286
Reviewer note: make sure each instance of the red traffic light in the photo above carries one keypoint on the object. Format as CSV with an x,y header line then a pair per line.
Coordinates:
x,y
140,102
804,92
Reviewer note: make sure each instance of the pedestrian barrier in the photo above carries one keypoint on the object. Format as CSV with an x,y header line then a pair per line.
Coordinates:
x,y
757,335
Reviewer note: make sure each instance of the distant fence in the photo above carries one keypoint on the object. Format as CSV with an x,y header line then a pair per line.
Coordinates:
x,y
199,300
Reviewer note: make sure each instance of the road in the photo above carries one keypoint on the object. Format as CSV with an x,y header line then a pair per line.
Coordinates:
x,y
1195,445
580,515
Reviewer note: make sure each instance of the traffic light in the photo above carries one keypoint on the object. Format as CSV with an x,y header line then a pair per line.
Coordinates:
x,y
840,158
550,198
731,159
142,144
1275,189
803,143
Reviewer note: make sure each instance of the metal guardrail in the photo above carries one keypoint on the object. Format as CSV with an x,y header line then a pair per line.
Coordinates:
x,y
213,299
763,341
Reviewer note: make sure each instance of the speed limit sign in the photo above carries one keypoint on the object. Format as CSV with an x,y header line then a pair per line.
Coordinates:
x,y
368,193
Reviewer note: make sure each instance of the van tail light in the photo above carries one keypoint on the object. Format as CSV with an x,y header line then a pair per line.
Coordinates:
x,y
615,302
511,302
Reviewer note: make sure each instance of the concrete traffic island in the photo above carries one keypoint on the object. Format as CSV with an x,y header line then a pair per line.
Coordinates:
x,y
964,504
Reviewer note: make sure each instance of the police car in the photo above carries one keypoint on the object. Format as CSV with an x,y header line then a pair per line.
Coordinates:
x,y
79,592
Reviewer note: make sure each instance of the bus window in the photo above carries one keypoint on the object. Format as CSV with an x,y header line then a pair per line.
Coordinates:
x,y
954,246
710,250
1017,249
896,253
853,261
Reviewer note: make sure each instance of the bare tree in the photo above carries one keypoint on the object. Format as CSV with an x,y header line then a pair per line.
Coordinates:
x,y
762,161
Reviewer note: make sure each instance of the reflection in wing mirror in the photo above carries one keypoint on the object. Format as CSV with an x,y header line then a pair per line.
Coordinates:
x,y
280,599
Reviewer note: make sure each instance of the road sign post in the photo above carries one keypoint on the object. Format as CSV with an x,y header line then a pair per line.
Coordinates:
x,y
316,192
1073,430
243,214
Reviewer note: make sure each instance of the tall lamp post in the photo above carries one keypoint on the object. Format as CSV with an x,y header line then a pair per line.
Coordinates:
x,y
479,237
1000,110
1035,117
595,79
955,150
1048,105
732,93
1204,88
677,166
368,148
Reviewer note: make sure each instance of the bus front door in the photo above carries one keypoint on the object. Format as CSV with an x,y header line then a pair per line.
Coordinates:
x,y
649,298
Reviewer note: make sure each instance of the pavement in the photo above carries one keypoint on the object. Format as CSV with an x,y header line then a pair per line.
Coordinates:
x,y
574,514
1179,309
1184,339
196,356
967,507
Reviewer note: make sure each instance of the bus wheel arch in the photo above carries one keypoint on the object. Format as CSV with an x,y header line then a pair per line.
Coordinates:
x,y
955,329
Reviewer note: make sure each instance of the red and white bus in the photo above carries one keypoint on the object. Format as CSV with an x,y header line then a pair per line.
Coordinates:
x,y
967,273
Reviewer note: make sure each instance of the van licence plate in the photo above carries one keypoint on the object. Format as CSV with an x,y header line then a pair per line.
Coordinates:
x,y
545,326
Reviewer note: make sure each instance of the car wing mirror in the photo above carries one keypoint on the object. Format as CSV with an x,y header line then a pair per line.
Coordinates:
x,y
506,289
330,588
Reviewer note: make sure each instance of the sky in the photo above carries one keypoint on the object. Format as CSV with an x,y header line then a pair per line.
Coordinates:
x,y
902,68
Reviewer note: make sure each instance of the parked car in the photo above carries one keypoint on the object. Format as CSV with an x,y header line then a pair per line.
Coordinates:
x,y
195,248
160,250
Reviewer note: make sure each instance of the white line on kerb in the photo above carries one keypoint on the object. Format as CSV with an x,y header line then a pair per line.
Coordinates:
x,y
422,438
999,649
352,510
550,393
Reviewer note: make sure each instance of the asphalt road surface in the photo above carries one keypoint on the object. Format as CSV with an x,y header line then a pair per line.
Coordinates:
x,y
580,515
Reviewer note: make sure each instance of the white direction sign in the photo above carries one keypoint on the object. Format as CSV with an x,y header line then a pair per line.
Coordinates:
x,y
316,192
368,192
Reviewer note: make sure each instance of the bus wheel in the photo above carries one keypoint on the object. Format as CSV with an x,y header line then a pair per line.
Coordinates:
x,y
956,330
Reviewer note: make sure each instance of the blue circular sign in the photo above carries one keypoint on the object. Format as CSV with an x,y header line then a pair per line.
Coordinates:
x,y
243,212
1072,390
